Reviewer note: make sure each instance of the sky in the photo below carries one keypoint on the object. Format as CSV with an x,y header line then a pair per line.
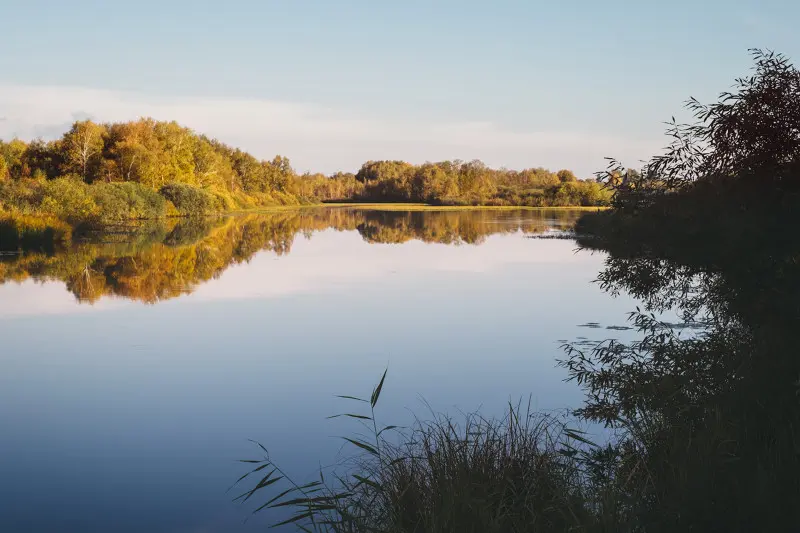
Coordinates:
x,y
331,84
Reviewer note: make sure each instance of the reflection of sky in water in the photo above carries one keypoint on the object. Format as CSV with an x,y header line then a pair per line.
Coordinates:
x,y
121,416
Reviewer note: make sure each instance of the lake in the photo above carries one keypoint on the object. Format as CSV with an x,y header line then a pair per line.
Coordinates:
x,y
137,364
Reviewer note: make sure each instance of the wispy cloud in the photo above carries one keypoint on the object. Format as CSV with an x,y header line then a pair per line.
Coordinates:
x,y
316,138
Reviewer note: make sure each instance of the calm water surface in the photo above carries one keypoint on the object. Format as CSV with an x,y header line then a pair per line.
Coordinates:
x,y
135,367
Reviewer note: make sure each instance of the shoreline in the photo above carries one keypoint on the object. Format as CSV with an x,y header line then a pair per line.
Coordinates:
x,y
400,206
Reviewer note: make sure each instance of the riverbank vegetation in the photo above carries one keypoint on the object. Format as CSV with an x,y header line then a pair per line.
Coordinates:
x,y
705,413
474,474
103,174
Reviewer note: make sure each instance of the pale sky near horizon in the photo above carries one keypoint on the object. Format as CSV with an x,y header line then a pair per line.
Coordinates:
x,y
332,84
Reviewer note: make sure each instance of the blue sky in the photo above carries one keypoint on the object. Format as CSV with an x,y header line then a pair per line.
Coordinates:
x,y
330,84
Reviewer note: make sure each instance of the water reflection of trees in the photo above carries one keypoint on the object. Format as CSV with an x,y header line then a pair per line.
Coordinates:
x,y
162,261
709,423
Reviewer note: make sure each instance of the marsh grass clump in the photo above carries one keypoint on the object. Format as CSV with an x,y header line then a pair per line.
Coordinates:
x,y
515,473
524,471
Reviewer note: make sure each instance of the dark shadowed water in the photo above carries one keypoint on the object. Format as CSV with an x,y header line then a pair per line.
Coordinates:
x,y
136,366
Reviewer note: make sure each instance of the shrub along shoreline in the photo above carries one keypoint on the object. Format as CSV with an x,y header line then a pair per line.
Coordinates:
x,y
96,205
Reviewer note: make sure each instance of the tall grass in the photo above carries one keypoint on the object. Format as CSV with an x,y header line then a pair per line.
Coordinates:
x,y
524,471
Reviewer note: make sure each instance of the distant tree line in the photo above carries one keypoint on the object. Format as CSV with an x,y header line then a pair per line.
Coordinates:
x,y
458,183
144,169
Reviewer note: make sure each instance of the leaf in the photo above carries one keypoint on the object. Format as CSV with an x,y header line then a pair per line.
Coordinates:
x,y
350,415
377,392
352,398
310,485
276,498
313,502
362,445
261,486
259,445
295,518
294,501
306,502
324,507
366,481
265,482
262,467
387,428
574,434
